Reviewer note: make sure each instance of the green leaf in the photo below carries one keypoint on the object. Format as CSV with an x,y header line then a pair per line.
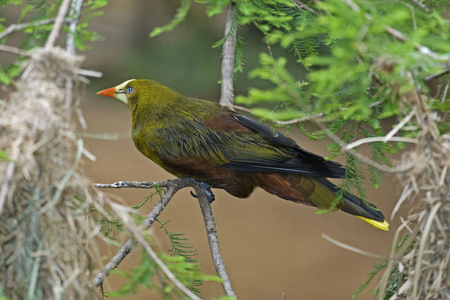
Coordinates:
x,y
4,156
180,16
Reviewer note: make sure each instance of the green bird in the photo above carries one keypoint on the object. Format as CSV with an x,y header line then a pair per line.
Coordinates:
x,y
213,144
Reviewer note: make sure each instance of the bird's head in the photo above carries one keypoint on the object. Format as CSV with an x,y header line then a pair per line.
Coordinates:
x,y
124,91
141,92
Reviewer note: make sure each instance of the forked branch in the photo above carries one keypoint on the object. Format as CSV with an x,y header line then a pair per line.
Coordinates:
x,y
171,187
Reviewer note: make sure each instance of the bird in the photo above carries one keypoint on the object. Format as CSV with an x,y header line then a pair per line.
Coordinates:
x,y
213,144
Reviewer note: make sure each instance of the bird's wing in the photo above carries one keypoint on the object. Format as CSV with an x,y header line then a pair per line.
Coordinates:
x,y
236,142
254,147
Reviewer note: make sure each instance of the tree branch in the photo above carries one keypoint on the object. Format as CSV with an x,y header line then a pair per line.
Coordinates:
x,y
74,12
15,27
172,186
63,9
228,58
213,240
141,239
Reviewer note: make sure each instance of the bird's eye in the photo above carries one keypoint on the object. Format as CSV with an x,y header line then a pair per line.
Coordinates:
x,y
129,90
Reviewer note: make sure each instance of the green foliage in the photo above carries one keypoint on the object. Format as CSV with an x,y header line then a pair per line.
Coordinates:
x,y
4,156
142,275
181,262
35,19
180,16
185,263
358,69
108,222
396,277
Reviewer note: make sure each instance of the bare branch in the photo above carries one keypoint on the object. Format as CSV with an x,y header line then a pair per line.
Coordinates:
x,y
211,232
300,120
351,248
399,126
141,240
400,36
138,235
15,27
352,5
14,50
9,174
422,49
74,13
63,9
172,186
89,73
379,139
75,9
228,59
361,157
6,182
316,116
300,5
421,5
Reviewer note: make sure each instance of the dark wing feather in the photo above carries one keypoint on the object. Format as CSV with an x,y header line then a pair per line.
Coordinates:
x,y
294,158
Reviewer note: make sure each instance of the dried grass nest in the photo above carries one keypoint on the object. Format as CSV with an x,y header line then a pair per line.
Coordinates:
x,y
44,232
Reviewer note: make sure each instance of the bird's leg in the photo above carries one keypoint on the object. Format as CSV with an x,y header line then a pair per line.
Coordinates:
x,y
207,188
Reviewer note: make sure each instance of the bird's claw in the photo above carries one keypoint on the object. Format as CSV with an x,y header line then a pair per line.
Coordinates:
x,y
207,188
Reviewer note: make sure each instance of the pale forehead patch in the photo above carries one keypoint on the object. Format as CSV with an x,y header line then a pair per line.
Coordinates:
x,y
120,94
122,85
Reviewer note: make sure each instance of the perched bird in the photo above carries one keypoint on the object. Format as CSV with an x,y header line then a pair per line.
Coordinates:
x,y
215,145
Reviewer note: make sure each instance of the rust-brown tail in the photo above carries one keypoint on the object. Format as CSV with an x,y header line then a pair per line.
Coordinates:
x,y
321,193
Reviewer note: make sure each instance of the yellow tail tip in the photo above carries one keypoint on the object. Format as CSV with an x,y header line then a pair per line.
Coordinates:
x,y
380,225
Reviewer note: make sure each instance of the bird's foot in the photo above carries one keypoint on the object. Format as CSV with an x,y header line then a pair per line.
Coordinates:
x,y
207,188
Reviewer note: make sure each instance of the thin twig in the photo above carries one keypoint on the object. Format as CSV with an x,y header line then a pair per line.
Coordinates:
x,y
228,59
303,6
172,186
89,73
63,9
399,126
343,145
9,174
352,5
316,116
140,238
395,257
444,94
300,120
15,27
362,158
351,248
211,232
421,5
422,49
14,50
398,35
379,139
74,12
425,235
6,182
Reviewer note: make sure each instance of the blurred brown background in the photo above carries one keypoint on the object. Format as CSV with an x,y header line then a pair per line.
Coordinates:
x,y
269,245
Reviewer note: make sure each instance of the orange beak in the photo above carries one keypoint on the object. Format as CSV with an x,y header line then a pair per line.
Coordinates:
x,y
111,92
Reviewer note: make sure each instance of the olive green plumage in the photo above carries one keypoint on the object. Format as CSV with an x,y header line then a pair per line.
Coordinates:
x,y
213,144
